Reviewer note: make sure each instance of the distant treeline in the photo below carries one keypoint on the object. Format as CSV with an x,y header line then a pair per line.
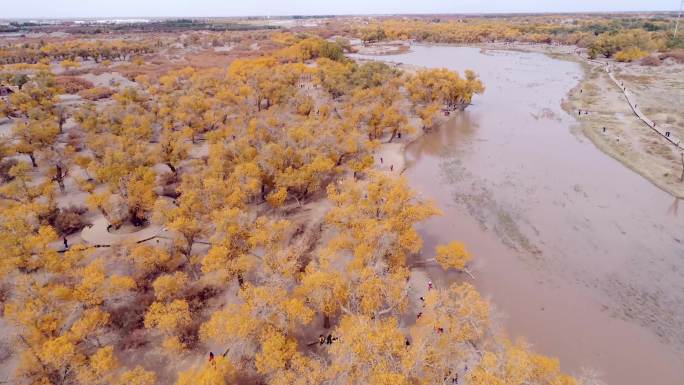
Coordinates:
x,y
633,37
189,24
172,25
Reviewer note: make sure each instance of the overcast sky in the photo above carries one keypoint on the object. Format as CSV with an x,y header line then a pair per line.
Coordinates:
x,y
197,8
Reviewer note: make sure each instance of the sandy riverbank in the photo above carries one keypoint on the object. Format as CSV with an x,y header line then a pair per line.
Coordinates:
x,y
627,139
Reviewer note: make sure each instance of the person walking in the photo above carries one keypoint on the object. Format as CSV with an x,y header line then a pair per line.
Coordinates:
x,y
66,243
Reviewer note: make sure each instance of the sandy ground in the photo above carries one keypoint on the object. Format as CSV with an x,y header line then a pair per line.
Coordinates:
x,y
225,48
109,79
390,158
6,125
627,138
659,91
386,48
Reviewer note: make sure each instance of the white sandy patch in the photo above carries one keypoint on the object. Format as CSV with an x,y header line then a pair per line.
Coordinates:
x,y
6,127
109,79
390,158
225,48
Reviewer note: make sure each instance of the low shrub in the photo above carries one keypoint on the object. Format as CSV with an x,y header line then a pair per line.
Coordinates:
x,y
96,93
70,220
73,85
630,54
75,141
5,167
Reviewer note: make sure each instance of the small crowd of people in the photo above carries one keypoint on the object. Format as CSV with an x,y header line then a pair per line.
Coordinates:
x,y
382,161
322,340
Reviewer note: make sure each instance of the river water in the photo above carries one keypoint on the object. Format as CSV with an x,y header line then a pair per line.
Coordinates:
x,y
578,254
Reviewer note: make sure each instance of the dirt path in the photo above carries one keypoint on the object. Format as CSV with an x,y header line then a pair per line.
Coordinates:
x,y
97,234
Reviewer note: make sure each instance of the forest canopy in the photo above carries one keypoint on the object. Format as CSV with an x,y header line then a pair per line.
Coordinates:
x,y
239,209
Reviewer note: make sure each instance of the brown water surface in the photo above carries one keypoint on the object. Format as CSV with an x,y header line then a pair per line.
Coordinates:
x,y
583,256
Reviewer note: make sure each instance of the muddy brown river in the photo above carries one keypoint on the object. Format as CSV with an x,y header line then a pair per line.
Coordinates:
x,y
579,255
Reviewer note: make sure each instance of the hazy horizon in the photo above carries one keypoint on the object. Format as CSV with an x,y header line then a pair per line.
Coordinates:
x,y
69,9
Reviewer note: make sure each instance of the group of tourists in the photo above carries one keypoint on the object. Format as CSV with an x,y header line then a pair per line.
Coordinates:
x,y
326,340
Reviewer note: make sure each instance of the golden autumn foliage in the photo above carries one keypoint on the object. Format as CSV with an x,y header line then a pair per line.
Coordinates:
x,y
260,213
69,64
169,286
148,259
100,368
35,136
140,196
452,256
459,311
377,218
169,317
445,87
137,376
276,352
630,54
60,322
370,352
217,372
515,364
602,34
